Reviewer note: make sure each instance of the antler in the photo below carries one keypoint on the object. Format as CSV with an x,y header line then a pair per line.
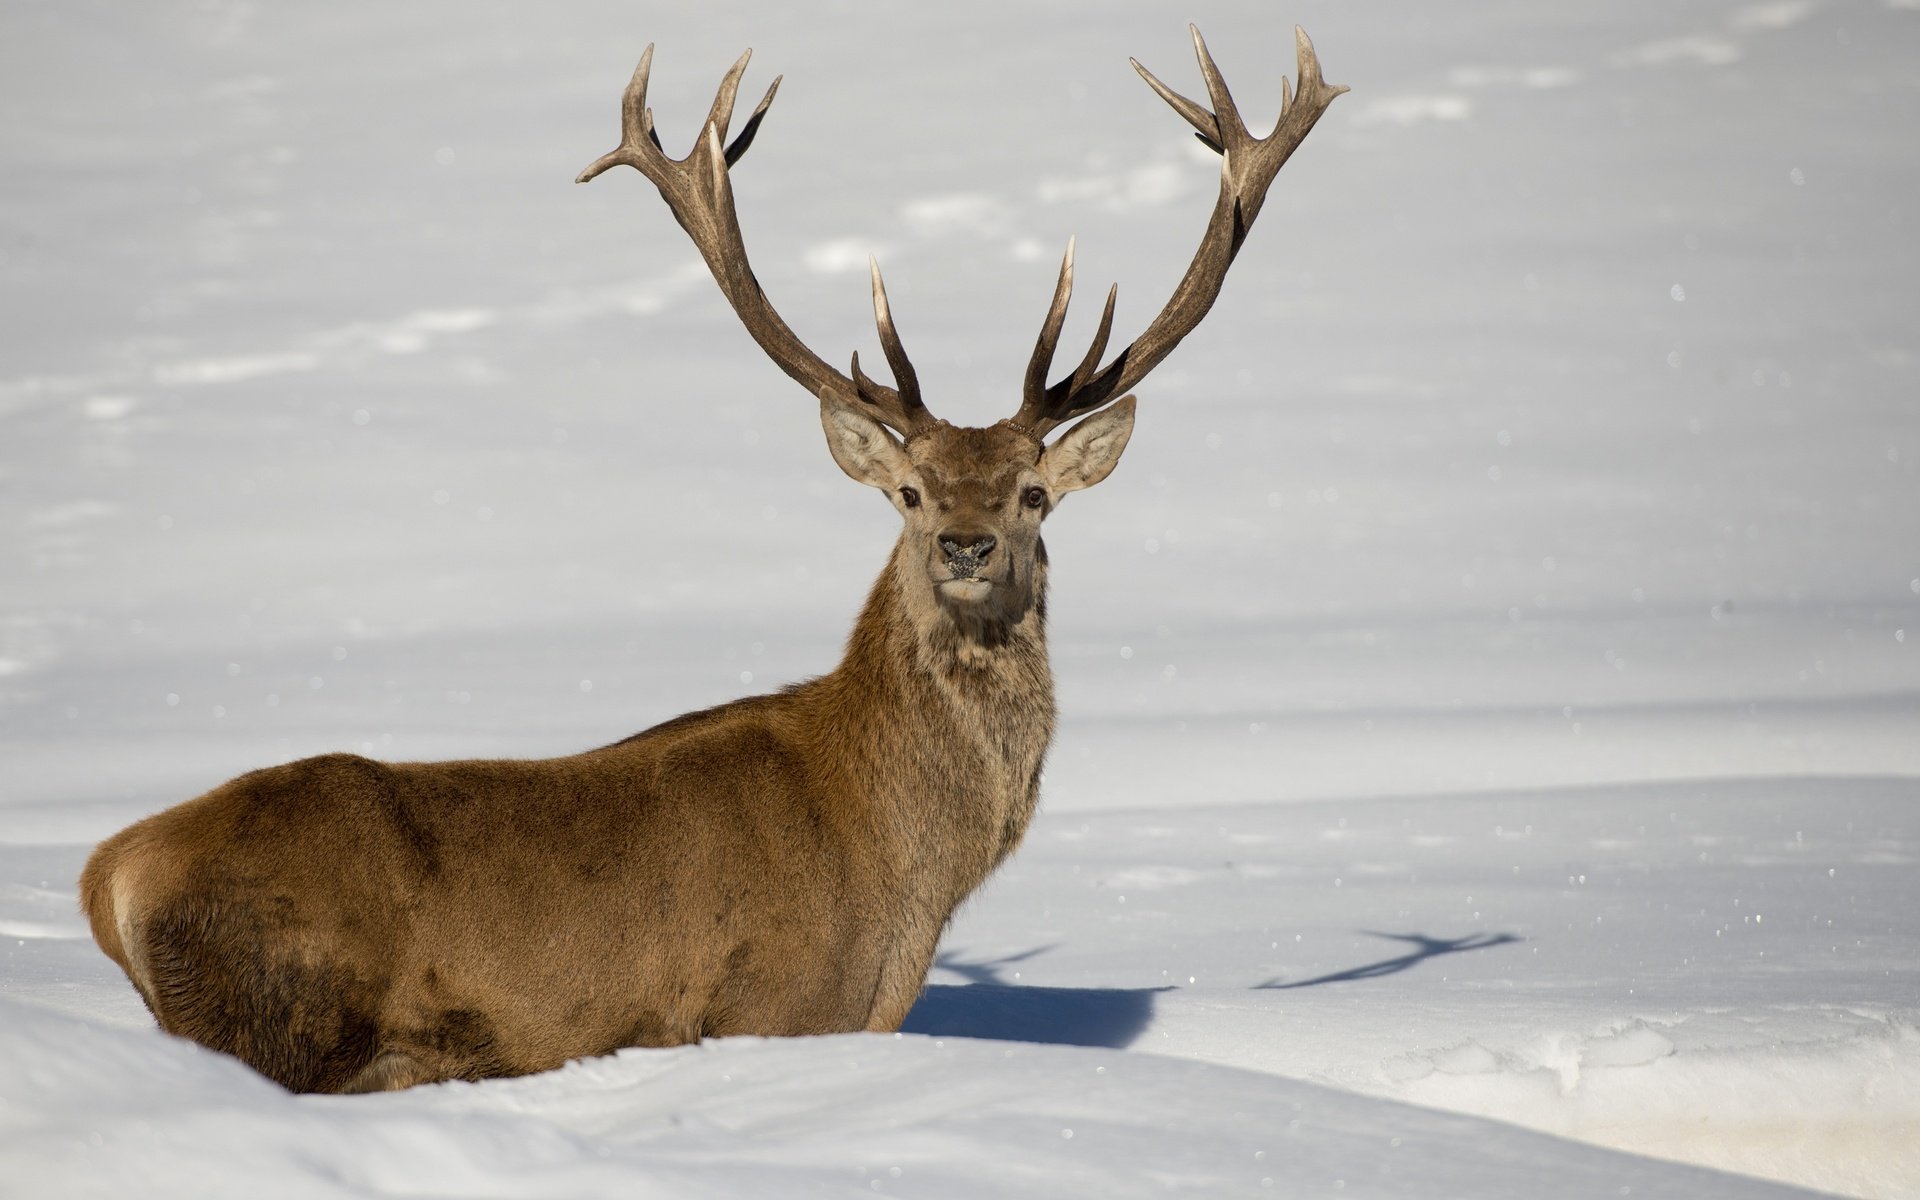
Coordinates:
x,y
699,190
1247,168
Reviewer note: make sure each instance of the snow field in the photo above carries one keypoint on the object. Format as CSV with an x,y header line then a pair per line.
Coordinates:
x,y
1488,684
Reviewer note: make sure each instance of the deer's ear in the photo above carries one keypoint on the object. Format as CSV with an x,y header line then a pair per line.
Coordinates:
x,y
861,445
1087,453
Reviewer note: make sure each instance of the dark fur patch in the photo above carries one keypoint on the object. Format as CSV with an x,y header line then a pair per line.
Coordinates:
x,y
465,1040
307,1027
740,957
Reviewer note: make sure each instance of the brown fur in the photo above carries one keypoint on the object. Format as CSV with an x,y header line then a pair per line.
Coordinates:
x,y
780,865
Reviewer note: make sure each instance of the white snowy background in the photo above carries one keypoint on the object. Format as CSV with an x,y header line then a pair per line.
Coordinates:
x,y
1490,761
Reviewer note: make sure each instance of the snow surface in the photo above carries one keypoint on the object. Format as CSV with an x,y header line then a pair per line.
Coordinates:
x,y
1490,758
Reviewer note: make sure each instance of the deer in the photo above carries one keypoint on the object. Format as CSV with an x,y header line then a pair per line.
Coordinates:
x,y
781,865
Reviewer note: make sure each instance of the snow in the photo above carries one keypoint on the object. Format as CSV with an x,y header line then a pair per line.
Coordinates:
x,y
912,1116
1489,683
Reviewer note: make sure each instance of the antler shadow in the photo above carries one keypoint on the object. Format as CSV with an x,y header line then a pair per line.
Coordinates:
x,y
1424,948
987,970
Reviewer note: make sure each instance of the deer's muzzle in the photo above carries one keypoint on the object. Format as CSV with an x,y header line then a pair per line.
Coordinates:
x,y
967,553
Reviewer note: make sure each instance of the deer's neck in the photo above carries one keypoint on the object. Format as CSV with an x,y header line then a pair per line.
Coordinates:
x,y
946,712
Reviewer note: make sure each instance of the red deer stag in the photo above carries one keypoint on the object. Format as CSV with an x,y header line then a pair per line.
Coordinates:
x,y
783,864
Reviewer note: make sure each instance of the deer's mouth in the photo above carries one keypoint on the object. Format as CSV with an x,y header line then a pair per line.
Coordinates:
x,y
969,588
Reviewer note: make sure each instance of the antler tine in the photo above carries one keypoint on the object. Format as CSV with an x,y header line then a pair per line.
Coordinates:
x,y
721,114
636,124
1034,394
903,373
1308,66
1084,371
1201,120
1225,115
745,138
865,388
698,190
1247,169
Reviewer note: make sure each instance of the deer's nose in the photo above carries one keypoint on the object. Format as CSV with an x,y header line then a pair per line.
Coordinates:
x,y
967,548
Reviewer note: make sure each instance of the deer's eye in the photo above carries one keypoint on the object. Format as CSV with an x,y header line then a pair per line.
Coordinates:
x,y
1036,496
909,497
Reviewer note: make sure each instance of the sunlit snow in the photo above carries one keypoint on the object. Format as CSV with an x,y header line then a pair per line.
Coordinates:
x,y
1490,745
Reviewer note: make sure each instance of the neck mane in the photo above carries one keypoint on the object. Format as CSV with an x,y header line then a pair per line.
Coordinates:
x,y
940,716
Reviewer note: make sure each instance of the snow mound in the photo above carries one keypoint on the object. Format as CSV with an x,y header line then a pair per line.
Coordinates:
x,y
92,1112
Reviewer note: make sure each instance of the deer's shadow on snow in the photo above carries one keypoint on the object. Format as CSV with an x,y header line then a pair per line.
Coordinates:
x,y
987,1006
1110,1017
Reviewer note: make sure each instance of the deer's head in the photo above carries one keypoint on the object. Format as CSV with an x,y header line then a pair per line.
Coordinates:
x,y
973,499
